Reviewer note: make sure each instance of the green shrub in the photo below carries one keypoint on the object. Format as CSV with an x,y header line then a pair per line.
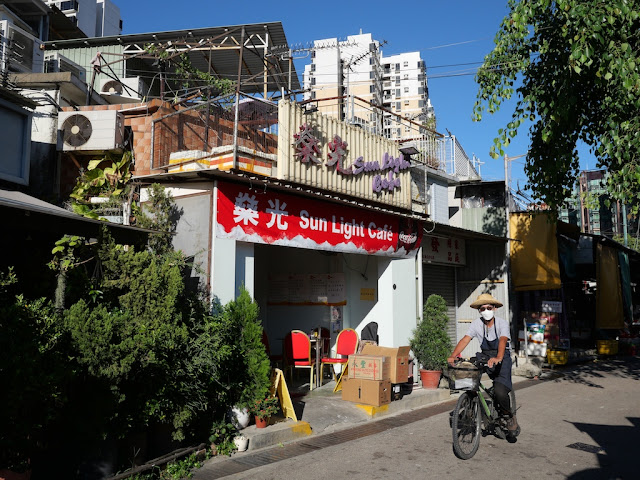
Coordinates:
x,y
430,343
246,370
32,373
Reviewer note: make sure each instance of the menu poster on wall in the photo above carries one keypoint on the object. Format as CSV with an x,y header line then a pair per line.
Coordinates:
x,y
307,289
336,318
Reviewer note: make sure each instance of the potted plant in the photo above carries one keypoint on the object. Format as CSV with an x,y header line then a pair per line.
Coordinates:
x,y
430,343
221,438
241,442
263,409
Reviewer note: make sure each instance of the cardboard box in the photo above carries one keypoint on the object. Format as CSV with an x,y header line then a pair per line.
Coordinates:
x,y
366,392
369,367
399,364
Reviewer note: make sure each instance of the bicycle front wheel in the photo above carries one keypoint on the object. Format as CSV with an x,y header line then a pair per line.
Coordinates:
x,y
465,426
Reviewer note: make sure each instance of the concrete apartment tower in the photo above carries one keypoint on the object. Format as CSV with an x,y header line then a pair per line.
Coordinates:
x,y
357,67
405,93
349,67
96,18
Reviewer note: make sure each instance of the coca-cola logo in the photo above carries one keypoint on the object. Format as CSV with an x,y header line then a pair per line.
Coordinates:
x,y
408,237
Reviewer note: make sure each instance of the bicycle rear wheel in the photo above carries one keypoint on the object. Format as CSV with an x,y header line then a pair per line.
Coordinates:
x,y
465,426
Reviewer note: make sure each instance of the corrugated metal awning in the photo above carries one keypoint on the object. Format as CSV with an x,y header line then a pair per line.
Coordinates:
x,y
21,211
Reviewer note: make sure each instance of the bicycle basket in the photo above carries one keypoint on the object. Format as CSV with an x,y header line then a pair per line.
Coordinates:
x,y
465,376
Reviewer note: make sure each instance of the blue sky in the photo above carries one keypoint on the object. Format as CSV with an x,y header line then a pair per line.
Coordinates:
x,y
446,33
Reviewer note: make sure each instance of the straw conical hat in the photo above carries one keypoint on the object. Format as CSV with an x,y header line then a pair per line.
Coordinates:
x,y
485,299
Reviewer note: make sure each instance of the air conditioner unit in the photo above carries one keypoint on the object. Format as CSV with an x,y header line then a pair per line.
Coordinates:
x,y
91,131
124,90
20,51
55,62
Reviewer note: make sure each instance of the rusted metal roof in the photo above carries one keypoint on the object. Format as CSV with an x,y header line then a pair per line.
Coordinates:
x,y
264,46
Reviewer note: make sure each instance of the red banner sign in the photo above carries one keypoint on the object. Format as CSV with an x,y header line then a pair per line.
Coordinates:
x,y
280,219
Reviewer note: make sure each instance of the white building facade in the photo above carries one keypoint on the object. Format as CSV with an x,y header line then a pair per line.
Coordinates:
x,y
342,69
355,69
405,93
96,18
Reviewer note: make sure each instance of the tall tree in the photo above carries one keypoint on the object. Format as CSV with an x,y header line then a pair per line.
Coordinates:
x,y
572,66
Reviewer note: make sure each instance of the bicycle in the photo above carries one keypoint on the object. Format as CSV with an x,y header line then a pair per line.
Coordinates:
x,y
475,413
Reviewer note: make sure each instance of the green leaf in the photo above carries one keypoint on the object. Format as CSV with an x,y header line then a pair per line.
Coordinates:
x,y
93,164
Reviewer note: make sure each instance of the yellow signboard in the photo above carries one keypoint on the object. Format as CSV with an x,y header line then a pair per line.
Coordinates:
x,y
368,294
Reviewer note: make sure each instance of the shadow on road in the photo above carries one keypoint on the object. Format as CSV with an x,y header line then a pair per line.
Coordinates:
x,y
616,448
588,374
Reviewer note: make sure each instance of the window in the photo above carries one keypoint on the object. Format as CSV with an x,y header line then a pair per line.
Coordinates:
x,y
406,102
69,5
407,128
120,24
372,88
397,66
313,80
313,95
15,138
398,105
372,75
397,92
406,76
406,64
406,89
313,67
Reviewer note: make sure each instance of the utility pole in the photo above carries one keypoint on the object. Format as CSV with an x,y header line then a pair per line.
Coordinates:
x,y
507,262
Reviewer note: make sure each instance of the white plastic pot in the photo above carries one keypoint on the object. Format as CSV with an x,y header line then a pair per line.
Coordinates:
x,y
241,442
239,417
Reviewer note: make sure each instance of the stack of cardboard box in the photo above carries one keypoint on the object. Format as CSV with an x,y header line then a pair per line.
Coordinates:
x,y
372,373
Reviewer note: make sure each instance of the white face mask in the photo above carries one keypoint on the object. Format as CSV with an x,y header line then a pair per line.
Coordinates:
x,y
487,314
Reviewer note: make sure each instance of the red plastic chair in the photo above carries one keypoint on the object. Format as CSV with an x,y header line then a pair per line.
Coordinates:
x,y
346,344
298,353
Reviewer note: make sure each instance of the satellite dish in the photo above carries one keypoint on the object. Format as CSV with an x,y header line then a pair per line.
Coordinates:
x,y
76,130
112,87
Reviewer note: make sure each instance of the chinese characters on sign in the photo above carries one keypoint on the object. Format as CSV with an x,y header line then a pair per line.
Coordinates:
x,y
307,150
282,219
306,145
443,250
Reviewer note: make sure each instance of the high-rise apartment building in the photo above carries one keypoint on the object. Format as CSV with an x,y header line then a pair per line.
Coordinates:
x,y
406,94
346,68
96,18
342,72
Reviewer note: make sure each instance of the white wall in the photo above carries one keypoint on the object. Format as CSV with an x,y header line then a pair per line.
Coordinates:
x,y
87,12
107,19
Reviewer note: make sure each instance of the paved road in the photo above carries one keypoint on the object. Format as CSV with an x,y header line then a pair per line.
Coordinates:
x,y
581,423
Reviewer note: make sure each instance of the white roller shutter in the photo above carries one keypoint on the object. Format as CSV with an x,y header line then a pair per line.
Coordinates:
x,y
440,280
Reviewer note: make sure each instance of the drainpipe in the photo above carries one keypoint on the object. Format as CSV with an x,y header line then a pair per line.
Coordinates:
x,y
237,105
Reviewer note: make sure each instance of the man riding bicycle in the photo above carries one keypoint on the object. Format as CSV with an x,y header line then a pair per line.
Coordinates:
x,y
493,334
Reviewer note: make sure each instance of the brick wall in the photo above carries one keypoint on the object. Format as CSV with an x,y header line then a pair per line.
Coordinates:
x,y
185,131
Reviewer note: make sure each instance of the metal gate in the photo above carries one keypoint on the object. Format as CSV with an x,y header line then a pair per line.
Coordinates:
x,y
440,280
